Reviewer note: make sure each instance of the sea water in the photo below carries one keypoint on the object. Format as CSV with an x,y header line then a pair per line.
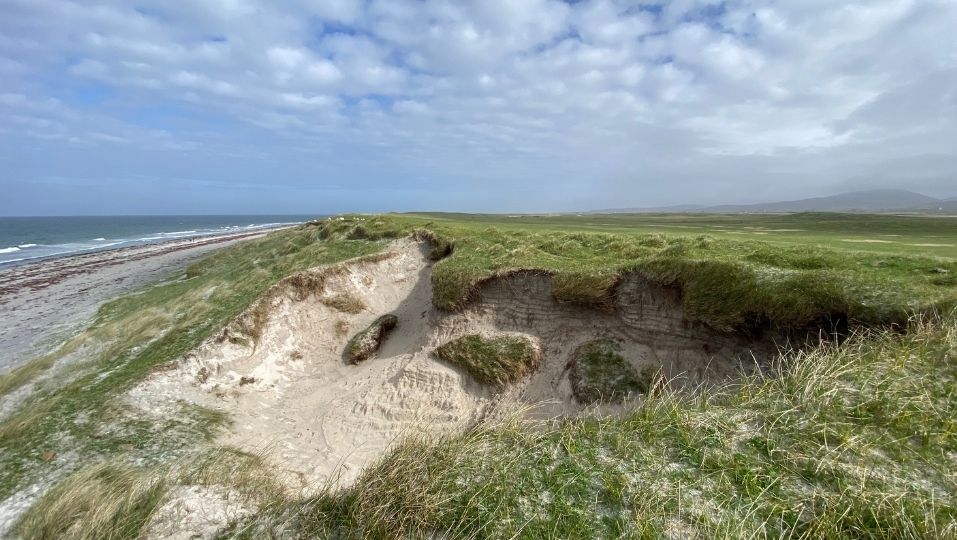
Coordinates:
x,y
25,239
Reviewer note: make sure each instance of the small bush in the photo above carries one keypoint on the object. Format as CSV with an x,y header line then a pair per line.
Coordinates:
x,y
364,344
495,360
600,374
342,328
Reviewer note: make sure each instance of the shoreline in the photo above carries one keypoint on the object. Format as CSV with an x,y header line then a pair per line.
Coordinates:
x,y
44,302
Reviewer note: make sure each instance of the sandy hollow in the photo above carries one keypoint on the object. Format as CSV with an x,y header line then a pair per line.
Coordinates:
x,y
323,420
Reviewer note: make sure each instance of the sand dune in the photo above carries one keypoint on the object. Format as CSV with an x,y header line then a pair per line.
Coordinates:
x,y
293,395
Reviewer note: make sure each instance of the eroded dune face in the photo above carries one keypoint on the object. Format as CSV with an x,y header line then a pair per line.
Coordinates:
x,y
294,394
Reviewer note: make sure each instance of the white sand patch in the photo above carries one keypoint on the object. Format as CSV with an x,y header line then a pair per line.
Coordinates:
x,y
192,512
867,241
14,506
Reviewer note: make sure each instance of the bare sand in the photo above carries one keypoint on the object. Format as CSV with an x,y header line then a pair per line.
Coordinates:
x,y
45,302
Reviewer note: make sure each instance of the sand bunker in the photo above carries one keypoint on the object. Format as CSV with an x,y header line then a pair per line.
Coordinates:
x,y
294,394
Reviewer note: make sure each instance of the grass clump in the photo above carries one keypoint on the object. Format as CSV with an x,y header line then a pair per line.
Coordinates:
x,y
364,344
496,360
116,500
599,373
108,500
345,302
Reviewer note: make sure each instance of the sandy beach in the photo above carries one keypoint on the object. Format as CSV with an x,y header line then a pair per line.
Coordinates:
x,y
45,302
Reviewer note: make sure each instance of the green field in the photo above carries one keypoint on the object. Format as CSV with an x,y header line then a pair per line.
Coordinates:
x,y
856,440
893,234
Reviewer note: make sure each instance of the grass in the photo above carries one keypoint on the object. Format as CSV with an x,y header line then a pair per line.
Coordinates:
x,y
600,374
116,500
346,303
130,338
850,440
857,440
495,360
365,343
730,282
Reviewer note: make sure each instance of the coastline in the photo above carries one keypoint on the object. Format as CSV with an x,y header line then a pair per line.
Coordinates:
x,y
44,302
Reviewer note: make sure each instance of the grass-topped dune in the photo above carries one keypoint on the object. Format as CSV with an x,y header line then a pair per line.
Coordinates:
x,y
493,360
849,439
729,284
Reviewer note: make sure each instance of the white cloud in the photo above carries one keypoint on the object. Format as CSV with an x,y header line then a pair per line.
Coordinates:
x,y
599,93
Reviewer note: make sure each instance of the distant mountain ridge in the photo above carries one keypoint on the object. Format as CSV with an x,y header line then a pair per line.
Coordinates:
x,y
871,201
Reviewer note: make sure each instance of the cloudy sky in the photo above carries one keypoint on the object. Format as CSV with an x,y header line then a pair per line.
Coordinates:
x,y
263,106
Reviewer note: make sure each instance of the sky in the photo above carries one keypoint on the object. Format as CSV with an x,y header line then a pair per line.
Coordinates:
x,y
323,106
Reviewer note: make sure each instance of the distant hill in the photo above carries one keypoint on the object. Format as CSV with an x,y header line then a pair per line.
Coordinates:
x,y
875,201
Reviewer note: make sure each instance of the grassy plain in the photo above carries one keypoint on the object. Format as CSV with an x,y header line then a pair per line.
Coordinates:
x,y
803,268
851,440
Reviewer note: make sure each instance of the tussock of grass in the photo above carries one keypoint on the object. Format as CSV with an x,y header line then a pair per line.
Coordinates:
x,y
18,376
598,373
856,440
345,302
364,344
114,500
495,360
102,501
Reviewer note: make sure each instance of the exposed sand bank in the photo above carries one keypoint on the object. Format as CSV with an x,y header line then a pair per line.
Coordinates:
x,y
293,395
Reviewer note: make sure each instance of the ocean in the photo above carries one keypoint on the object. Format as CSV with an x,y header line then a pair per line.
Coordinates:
x,y
24,239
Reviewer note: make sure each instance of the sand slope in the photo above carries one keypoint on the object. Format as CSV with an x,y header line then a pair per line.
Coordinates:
x,y
324,420
318,416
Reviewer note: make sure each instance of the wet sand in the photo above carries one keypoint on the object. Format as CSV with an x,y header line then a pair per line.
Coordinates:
x,y
45,302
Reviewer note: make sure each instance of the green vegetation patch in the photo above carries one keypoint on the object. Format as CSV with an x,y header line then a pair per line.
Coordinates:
x,y
792,272
364,344
496,360
598,373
